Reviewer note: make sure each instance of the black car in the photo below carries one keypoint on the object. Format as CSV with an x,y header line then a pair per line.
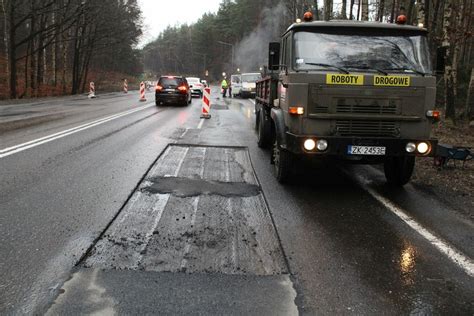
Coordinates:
x,y
172,90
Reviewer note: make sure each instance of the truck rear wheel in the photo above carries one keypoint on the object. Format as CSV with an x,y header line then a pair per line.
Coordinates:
x,y
263,131
282,161
398,170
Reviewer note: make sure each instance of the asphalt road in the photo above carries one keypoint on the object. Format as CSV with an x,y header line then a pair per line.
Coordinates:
x,y
117,206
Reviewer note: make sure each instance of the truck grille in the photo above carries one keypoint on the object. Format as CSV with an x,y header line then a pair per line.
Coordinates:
x,y
375,108
367,128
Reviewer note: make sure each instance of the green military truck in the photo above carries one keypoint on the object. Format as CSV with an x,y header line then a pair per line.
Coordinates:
x,y
354,91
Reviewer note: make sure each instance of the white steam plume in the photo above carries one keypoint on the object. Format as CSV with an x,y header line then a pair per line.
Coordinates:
x,y
252,51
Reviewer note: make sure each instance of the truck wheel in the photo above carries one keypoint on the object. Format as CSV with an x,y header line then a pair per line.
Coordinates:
x,y
263,131
398,170
282,161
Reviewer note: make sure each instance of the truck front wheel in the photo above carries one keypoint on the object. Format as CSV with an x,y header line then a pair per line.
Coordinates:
x,y
263,131
398,170
282,161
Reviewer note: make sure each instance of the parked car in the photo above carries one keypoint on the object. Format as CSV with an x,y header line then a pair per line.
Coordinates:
x,y
204,82
197,88
172,90
236,84
248,84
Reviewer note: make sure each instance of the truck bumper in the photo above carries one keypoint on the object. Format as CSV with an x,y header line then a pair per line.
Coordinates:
x,y
338,146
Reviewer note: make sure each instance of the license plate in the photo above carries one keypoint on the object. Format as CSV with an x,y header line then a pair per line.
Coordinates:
x,y
365,150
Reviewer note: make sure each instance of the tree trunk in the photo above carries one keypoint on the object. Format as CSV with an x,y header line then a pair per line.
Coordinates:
x,y
427,14
327,10
40,55
351,8
343,10
380,11
27,59
393,12
358,10
64,45
470,99
365,10
410,18
420,6
316,10
5,42
12,52
54,50
75,64
450,70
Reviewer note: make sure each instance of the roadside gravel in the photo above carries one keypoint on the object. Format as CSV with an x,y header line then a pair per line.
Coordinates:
x,y
454,183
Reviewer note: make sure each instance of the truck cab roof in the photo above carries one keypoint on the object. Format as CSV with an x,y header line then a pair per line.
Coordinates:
x,y
335,25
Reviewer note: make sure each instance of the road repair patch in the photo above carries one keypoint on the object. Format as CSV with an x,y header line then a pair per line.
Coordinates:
x,y
199,210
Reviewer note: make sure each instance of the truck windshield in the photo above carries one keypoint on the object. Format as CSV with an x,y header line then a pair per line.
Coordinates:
x,y
251,77
393,53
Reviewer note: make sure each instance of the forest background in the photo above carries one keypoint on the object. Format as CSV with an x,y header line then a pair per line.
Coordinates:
x,y
55,47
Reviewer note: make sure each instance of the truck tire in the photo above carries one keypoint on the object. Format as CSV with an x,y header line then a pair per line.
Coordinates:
x,y
263,131
282,161
398,170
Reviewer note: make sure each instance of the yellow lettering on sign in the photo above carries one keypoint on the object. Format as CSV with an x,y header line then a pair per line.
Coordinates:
x,y
356,80
392,81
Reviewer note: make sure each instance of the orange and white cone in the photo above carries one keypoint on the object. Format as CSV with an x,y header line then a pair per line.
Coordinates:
x,y
206,103
125,86
91,90
142,91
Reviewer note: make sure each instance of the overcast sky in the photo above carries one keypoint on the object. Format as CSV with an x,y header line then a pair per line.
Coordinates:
x,y
158,14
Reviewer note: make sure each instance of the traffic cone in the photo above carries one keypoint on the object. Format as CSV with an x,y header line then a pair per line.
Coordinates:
x,y
91,90
142,92
206,104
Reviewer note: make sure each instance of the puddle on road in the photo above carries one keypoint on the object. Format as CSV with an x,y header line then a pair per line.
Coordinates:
x,y
198,210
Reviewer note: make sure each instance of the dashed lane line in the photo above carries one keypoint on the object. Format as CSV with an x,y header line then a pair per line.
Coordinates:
x,y
200,123
46,139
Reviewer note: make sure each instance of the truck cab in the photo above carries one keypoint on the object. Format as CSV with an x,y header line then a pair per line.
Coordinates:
x,y
353,91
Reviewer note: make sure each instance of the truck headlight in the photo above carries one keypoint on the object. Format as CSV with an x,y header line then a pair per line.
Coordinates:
x,y
410,147
423,148
322,144
309,144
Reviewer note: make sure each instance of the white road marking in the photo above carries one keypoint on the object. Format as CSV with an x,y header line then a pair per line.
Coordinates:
x,y
187,247
184,133
46,139
200,123
448,250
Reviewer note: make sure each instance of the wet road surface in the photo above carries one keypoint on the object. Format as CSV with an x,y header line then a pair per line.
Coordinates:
x,y
160,211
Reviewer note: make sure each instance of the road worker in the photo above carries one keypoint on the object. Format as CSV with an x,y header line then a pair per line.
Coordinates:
x,y
224,86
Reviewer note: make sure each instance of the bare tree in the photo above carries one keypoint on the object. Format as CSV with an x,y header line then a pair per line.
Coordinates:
x,y
5,37
365,10
344,9
450,71
470,99
327,10
380,11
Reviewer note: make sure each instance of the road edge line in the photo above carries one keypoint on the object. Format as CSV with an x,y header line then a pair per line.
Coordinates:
x,y
451,252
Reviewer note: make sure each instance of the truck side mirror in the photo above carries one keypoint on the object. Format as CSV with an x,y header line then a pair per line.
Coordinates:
x,y
274,56
440,60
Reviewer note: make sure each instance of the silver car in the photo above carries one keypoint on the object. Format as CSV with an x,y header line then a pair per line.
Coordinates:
x,y
197,88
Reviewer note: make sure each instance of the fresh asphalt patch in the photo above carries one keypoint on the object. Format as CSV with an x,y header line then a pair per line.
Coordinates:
x,y
186,187
200,214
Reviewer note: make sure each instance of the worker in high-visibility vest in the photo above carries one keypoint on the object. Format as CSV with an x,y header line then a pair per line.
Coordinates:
x,y
224,86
